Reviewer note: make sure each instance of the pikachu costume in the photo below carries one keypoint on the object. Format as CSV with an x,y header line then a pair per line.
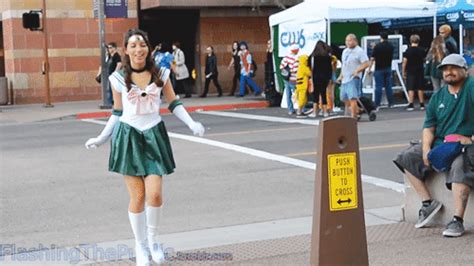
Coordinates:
x,y
303,75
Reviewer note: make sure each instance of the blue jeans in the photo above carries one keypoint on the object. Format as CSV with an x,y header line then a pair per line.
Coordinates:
x,y
248,80
383,78
290,88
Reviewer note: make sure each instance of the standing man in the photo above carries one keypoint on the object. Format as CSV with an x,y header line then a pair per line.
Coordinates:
x,y
382,55
354,61
290,62
412,68
450,43
450,113
114,62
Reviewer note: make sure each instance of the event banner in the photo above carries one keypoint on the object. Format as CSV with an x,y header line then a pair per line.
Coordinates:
x,y
305,34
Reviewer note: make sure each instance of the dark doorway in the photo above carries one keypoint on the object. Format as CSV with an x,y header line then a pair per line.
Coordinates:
x,y
169,25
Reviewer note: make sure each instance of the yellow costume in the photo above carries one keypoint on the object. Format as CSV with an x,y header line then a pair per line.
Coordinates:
x,y
302,76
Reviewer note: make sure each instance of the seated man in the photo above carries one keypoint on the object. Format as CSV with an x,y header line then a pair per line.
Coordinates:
x,y
450,111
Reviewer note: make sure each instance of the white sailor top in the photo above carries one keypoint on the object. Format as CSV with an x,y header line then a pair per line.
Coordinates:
x,y
141,108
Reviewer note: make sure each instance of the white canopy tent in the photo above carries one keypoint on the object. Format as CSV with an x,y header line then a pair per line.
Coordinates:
x,y
312,12
370,11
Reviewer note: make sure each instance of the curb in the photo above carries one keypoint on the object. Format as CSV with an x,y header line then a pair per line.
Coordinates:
x,y
190,109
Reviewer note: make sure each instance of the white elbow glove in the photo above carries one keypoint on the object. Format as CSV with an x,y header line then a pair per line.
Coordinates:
x,y
178,110
106,132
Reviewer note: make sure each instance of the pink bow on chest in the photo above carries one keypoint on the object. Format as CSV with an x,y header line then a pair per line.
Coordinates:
x,y
145,101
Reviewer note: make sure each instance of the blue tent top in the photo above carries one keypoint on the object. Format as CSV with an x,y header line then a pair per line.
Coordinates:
x,y
451,6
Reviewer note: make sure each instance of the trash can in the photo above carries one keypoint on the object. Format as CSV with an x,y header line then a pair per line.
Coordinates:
x,y
3,90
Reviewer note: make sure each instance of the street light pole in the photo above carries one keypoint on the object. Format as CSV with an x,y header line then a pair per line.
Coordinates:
x,y
46,59
104,77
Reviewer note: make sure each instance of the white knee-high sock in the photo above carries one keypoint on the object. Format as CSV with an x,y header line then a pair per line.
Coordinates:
x,y
153,220
138,223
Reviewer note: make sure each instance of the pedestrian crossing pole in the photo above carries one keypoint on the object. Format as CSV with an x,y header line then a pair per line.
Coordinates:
x,y
104,77
338,235
47,103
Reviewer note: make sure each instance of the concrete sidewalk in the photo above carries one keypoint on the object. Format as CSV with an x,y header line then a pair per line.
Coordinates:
x,y
10,114
388,244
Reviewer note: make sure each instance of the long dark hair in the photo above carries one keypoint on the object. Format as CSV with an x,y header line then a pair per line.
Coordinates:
x,y
149,62
321,49
238,47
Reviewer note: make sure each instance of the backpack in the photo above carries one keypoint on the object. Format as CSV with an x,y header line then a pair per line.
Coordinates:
x,y
285,72
253,68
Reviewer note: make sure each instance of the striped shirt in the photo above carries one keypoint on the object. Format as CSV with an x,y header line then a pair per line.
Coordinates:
x,y
291,61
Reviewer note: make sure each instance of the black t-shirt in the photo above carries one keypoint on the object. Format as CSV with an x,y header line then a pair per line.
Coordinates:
x,y
383,54
415,58
112,63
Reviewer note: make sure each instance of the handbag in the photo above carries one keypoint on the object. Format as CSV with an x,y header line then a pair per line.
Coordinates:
x,y
442,156
285,73
98,78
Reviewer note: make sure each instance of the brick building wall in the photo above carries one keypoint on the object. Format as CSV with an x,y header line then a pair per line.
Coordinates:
x,y
74,53
221,32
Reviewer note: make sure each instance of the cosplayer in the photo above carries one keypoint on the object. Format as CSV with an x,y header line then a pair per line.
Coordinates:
x,y
140,147
303,76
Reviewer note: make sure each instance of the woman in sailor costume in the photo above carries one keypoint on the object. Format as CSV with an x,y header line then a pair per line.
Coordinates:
x,y
140,147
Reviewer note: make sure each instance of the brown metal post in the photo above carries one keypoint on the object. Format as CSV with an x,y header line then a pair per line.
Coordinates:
x,y
338,235
46,59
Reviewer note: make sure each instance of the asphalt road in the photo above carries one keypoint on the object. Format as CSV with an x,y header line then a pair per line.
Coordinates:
x,y
54,191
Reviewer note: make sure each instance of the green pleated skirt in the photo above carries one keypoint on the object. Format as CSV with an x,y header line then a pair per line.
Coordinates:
x,y
141,153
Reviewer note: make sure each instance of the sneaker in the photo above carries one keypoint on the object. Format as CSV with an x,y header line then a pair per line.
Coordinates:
x,y
301,116
454,228
312,115
410,107
307,112
422,106
426,214
326,114
291,112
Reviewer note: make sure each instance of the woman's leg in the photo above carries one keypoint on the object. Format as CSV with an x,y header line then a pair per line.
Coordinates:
x,y
234,83
421,96
242,86
206,87
324,99
253,85
137,217
187,88
316,94
216,83
330,95
154,196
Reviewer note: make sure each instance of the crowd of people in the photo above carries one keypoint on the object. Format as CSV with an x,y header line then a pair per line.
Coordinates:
x,y
418,63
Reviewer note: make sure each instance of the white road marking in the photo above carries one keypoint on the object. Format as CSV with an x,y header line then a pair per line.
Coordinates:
x,y
379,182
306,121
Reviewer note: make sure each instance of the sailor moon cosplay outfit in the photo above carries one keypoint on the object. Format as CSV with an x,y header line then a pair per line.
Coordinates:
x,y
140,143
140,147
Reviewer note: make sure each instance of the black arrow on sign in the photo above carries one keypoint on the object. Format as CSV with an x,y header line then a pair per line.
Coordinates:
x,y
344,201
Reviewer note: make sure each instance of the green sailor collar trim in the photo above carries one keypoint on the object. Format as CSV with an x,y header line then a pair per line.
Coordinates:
x,y
117,112
174,104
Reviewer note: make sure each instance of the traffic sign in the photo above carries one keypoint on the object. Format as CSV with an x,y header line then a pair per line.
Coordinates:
x,y
342,179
